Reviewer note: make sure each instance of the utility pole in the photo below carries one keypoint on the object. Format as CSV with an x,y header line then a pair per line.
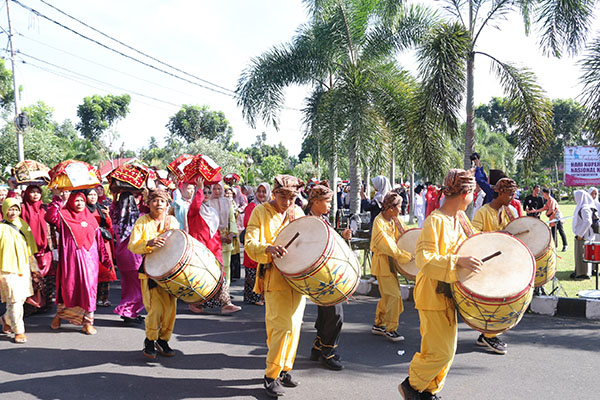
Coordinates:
x,y
20,150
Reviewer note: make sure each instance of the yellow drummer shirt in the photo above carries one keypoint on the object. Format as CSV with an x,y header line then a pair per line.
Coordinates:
x,y
440,237
487,219
384,239
262,230
146,228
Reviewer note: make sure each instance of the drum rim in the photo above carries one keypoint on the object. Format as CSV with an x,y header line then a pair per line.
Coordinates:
x,y
402,270
500,299
324,255
178,263
548,244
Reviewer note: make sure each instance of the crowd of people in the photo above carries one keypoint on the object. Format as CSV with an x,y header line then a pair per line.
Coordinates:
x,y
75,244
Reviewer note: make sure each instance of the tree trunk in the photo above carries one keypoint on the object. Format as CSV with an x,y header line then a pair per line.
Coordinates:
x,y
392,165
470,123
355,182
411,200
366,177
333,173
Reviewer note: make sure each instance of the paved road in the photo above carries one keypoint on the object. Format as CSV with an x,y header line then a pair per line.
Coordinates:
x,y
223,358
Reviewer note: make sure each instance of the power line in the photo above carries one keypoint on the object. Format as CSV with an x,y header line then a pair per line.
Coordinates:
x,y
102,65
119,52
136,50
94,79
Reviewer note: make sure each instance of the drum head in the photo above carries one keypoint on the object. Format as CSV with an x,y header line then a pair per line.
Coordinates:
x,y
503,276
161,261
308,247
408,242
538,237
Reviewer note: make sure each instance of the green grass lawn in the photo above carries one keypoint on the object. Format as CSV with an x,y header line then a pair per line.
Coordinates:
x,y
565,261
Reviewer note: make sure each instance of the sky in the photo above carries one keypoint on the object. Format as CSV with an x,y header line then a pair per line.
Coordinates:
x,y
213,40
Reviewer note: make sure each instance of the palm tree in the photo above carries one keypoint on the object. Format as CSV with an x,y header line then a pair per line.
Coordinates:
x,y
345,54
563,25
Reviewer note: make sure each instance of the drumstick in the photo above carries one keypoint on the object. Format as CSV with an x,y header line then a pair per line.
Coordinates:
x,y
521,233
292,240
496,254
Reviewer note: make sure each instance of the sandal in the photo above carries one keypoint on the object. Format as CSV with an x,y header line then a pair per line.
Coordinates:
x,y
6,327
196,309
89,330
55,323
20,338
230,309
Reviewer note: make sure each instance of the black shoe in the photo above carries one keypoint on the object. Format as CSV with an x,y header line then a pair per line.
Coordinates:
x,y
583,277
149,348
333,363
163,348
493,343
565,248
407,392
429,396
573,275
315,354
140,318
136,320
273,387
286,379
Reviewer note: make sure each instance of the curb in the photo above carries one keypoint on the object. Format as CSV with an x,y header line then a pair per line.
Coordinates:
x,y
544,305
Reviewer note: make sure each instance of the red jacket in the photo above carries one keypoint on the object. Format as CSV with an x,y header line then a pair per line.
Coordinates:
x,y
198,228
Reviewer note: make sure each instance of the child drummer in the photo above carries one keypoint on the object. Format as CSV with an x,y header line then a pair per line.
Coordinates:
x,y
160,305
443,231
331,318
493,217
284,306
387,229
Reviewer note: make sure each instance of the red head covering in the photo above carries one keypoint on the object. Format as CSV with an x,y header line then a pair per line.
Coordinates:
x,y
82,224
33,213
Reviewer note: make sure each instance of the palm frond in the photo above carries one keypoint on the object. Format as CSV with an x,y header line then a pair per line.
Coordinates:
x,y
530,109
564,25
442,63
590,66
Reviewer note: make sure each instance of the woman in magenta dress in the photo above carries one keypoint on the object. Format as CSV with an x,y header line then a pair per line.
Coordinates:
x,y
125,210
106,272
80,251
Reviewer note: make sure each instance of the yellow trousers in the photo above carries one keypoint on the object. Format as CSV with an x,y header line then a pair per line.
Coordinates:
x,y
390,305
429,367
161,308
227,264
284,310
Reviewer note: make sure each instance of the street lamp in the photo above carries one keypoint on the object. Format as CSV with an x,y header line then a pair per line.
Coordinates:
x,y
22,121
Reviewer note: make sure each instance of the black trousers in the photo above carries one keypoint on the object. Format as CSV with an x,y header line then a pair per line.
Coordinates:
x,y
328,325
561,231
235,266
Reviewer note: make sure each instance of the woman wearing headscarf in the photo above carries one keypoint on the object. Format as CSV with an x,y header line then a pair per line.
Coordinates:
x,y
182,198
234,261
227,225
17,264
33,212
263,194
203,222
106,272
382,186
81,249
124,212
583,219
594,193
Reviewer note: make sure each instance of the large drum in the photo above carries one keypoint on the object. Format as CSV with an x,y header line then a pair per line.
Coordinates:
x,y
408,242
495,299
319,263
537,236
185,268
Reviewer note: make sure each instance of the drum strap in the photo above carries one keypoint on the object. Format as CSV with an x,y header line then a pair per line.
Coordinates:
x,y
398,225
509,214
463,220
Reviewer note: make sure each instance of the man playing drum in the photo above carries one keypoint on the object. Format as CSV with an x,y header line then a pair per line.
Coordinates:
x,y
443,231
284,306
331,318
387,229
493,217
160,305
